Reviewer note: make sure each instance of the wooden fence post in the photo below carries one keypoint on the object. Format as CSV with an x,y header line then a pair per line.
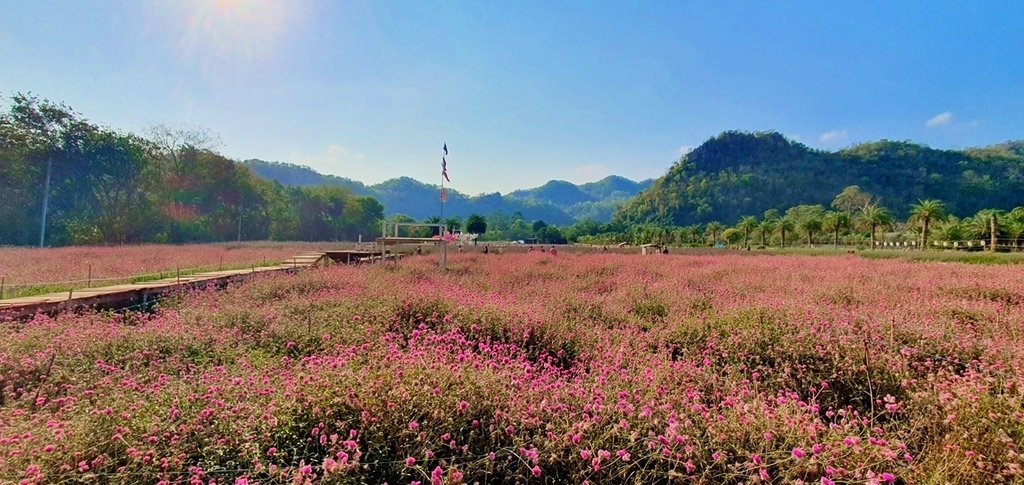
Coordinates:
x,y
994,229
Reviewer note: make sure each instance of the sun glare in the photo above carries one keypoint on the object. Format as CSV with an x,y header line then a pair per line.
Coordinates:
x,y
231,30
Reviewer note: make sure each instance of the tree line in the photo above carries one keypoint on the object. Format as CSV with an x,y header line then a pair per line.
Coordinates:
x,y
736,174
65,180
855,217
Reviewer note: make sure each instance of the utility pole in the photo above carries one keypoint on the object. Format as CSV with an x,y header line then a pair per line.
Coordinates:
x,y
239,222
46,200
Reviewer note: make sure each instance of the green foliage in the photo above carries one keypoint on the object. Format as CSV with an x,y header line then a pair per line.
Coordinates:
x,y
112,187
476,224
453,223
739,173
852,199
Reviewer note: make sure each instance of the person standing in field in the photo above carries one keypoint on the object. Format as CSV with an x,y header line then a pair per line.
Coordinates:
x,y
554,252
487,249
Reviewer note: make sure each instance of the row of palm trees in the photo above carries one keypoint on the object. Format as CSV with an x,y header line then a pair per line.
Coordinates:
x,y
926,217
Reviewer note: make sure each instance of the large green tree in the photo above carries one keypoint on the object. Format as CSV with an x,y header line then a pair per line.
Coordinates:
x,y
476,224
99,185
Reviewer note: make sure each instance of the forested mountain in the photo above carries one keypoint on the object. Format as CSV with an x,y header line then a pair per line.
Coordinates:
x,y
301,176
736,174
556,202
89,184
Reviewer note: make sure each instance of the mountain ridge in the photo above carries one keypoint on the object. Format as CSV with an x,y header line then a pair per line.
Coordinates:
x,y
736,173
555,202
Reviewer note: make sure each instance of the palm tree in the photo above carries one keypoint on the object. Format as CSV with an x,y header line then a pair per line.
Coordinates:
x,y
925,211
453,223
713,228
810,225
873,216
476,224
747,224
785,223
980,226
952,229
835,222
695,232
765,227
1015,225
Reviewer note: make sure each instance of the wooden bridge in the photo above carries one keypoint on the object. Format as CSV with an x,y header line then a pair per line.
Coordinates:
x,y
142,294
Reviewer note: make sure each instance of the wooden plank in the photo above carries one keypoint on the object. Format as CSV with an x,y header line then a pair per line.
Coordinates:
x,y
119,296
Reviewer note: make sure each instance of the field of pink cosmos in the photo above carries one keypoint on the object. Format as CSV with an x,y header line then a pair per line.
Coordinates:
x,y
527,368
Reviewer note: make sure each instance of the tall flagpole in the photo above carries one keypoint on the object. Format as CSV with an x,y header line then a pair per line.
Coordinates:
x,y
442,194
444,227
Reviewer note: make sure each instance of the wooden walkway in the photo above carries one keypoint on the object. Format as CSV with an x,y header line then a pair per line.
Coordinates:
x,y
128,295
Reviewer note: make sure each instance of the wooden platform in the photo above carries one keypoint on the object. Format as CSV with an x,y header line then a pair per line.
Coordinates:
x,y
127,295
390,241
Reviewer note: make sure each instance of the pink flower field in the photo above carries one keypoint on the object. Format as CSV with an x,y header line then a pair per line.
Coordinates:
x,y
527,368
21,266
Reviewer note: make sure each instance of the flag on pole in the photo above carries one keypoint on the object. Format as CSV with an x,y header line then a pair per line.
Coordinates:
x,y
445,147
444,168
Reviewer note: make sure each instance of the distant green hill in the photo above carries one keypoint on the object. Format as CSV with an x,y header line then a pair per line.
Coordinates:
x,y
556,202
302,176
594,200
736,174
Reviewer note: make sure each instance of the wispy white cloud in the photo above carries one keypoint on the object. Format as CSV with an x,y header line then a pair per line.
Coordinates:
x,y
683,150
940,119
833,137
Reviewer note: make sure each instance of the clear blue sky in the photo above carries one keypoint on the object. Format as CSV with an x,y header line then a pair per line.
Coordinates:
x,y
523,92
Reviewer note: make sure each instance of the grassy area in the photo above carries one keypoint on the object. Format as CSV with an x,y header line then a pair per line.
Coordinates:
x,y
59,287
975,257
